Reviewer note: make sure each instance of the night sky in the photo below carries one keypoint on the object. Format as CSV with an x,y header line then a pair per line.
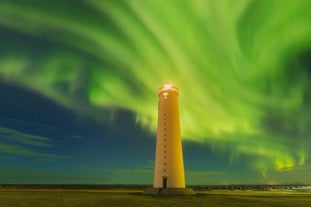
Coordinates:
x,y
79,80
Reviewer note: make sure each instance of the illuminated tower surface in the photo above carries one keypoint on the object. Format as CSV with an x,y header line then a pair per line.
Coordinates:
x,y
169,176
169,165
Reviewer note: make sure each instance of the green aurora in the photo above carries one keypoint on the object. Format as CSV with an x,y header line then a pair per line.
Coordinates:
x,y
242,67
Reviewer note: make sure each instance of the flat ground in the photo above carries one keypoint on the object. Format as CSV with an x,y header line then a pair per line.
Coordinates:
x,y
99,198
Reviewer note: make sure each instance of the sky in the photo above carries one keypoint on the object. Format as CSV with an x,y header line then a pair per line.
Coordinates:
x,y
79,80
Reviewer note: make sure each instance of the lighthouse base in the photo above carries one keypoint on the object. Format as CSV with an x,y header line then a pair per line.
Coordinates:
x,y
169,191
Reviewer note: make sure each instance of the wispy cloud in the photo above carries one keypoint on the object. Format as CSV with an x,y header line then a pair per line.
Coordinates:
x,y
22,151
11,135
13,142
29,124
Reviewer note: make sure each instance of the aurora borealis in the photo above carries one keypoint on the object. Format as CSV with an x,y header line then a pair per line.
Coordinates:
x,y
243,69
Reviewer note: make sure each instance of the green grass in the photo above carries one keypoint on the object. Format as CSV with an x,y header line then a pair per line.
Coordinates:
x,y
98,198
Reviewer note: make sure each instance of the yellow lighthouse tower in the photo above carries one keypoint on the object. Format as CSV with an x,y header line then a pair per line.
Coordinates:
x,y
169,177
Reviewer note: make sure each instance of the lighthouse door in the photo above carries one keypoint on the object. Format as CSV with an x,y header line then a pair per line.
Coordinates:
x,y
164,182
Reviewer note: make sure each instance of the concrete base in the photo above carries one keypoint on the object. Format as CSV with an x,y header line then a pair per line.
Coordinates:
x,y
169,191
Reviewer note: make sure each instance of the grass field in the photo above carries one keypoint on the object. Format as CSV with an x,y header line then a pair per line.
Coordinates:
x,y
98,198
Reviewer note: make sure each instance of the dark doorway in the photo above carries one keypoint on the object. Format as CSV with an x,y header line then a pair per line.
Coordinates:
x,y
164,182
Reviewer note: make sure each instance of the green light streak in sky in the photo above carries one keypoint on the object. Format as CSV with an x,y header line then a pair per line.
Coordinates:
x,y
240,66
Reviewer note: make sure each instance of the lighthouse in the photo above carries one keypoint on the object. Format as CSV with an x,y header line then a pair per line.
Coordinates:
x,y
169,176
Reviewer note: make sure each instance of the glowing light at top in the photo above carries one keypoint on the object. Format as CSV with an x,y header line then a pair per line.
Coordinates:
x,y
167,88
